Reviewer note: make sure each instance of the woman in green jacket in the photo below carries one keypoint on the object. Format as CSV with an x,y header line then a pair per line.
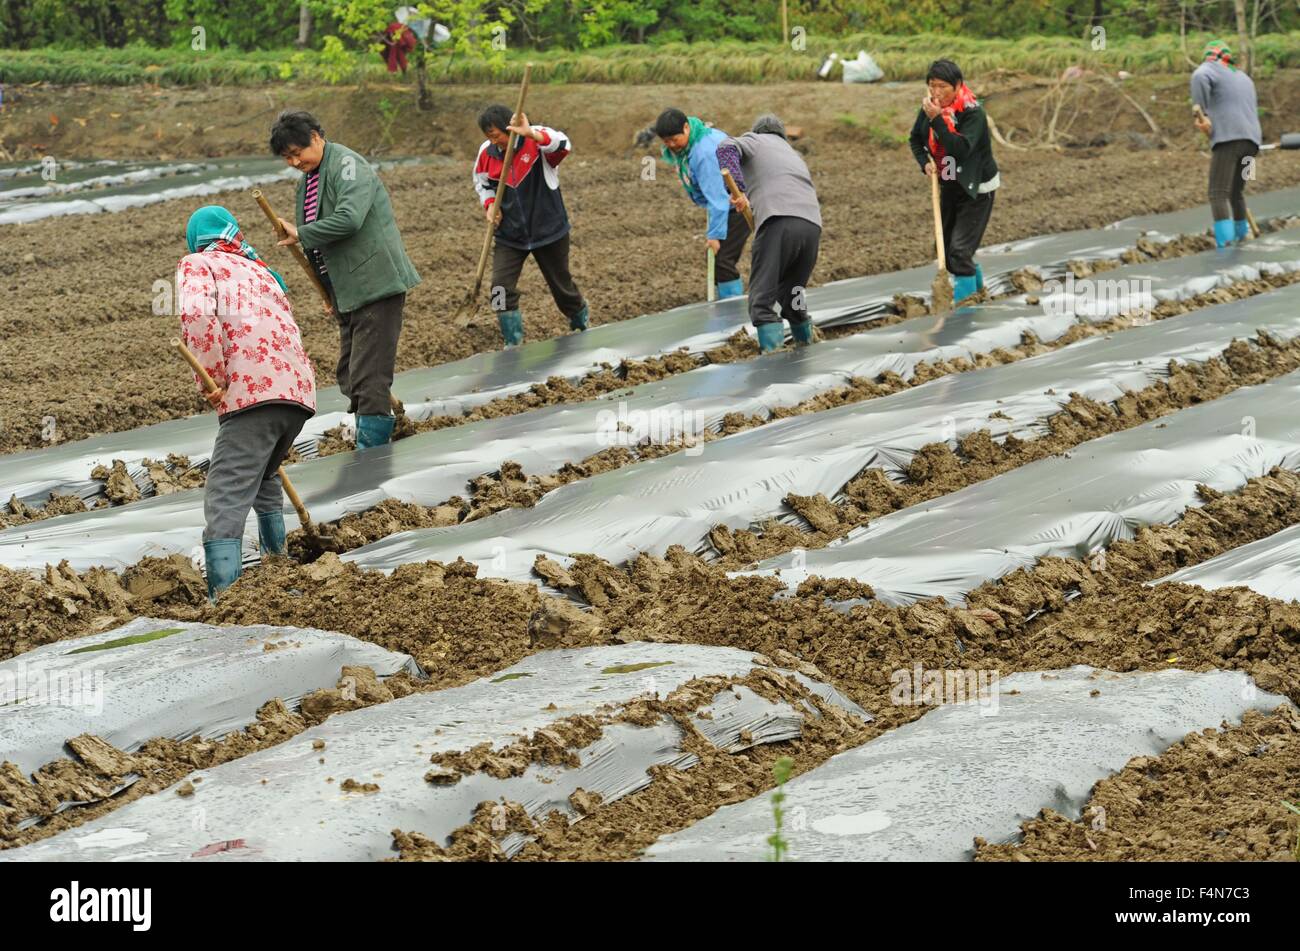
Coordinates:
x,y
346,227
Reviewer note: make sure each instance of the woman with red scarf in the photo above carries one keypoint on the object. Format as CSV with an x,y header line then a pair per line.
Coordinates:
x,y
951,139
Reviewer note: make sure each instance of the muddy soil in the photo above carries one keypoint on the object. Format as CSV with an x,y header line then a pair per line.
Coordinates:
x,y
97,769
83,346
935,471
439,613
1214,797
150,122
509,488
461,627
735,775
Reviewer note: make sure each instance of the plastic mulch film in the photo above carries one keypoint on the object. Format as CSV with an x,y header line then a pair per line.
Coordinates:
x,y
171,679
135,186
433,466
92,188
1068,506
458,387
924,791
1270,566
943,546
284,804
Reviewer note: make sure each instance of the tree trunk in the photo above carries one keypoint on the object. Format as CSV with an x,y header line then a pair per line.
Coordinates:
x,y
304,24
1243,36
424,98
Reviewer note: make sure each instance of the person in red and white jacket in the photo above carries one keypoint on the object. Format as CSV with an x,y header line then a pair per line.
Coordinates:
x,y
236,320
532,219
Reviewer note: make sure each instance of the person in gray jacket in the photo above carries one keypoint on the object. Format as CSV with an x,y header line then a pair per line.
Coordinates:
x,y
778,189
1230,117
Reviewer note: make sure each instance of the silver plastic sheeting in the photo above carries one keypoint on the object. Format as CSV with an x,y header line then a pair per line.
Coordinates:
x,y
458,387
280,804
140,189
1270,566
130,684
923,792
429,468
102,187
1068,506
743,479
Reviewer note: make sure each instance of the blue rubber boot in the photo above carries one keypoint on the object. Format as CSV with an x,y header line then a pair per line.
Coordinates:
x,y
802,333
1240,230
979,278
223,561
963,286
511,323
374,430
734,288
271,534
578,321
771,336
1223,233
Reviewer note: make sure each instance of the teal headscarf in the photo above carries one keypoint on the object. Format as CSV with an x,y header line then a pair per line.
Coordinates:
x,y
213,224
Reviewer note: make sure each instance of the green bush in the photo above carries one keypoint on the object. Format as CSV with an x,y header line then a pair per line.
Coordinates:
x,y
664,61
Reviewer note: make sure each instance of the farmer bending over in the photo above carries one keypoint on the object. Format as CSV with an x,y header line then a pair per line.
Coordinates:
x,y
1230,117
951,138
236,319
787,228
532,219
346,228
692,148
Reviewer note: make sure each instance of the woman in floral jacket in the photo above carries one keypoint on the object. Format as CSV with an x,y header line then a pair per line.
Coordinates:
x,y
236,319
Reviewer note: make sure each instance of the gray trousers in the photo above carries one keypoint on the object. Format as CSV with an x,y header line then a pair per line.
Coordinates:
x,y
244,472
1227,178
782,260
367,353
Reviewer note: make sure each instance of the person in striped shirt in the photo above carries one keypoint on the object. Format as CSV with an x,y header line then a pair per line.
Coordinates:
x,y
532,219
346,227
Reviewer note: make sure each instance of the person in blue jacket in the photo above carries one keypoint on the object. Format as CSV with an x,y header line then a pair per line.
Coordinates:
x,y
692,148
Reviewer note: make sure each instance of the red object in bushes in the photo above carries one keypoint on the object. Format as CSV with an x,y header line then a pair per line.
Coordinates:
x,y
399,40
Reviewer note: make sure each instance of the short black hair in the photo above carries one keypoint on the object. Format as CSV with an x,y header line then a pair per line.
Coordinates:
x,y
944,70
293,129
495,117
670,122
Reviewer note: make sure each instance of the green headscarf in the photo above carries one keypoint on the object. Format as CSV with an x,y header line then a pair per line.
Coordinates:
x,y
679,159
1219,51
213,224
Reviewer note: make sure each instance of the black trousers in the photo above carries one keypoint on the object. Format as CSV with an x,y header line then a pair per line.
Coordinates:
x,y
785,251
964,221
367,354
730,248
552,260
1228,180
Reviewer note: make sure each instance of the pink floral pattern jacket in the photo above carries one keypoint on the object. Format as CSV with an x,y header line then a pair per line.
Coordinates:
x,y
238,322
